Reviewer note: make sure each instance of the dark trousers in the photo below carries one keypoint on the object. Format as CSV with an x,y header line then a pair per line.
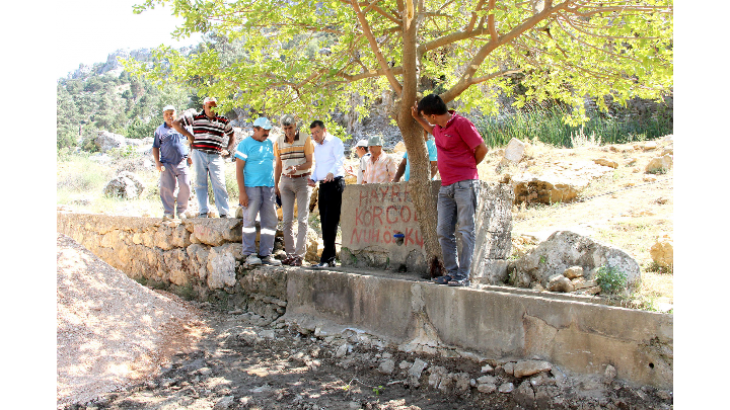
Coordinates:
x,y
329,203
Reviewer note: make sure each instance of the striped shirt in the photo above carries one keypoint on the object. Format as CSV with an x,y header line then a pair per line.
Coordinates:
x,y
209,133
294,153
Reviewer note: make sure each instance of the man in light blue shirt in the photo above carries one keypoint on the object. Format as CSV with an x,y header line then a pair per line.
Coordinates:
x,y
255,175
404,169
329,157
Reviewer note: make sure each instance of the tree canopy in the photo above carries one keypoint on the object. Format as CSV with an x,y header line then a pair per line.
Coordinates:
x,y
306,57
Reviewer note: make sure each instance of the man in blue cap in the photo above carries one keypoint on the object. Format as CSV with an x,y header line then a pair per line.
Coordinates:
x,y
256,194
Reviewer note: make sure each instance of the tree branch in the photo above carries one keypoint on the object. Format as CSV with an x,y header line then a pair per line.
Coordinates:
x,y
470,26
376,50
466,78
371,73
494,75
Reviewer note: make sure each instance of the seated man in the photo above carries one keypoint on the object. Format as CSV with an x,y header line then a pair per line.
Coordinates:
x,y
381,168
404,169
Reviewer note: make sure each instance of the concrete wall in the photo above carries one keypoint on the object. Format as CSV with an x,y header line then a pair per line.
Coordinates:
x,y
579,337
373,213
201,258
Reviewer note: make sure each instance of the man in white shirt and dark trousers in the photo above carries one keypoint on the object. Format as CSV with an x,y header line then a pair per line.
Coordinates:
x,y
329,157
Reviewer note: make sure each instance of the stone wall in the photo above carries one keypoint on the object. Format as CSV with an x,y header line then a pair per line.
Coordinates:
x,y
195,258
373,213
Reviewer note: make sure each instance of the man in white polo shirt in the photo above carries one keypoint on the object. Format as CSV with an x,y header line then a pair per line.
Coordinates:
x,y
329,157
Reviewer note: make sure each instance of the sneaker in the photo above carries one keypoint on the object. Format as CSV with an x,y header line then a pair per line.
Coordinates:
x,y
324,265
269,260
203,216
252,259
459,282
167,217
224,216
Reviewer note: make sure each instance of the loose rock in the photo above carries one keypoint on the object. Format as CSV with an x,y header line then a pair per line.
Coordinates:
x,y
529,367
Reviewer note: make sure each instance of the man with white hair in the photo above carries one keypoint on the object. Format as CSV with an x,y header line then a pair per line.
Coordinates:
x,y
207,141
255,176
171,158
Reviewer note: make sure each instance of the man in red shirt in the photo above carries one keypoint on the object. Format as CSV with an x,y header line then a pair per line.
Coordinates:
x,y
460,148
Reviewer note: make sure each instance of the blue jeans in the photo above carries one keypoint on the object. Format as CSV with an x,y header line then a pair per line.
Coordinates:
x,y
210,164
262,202
457,205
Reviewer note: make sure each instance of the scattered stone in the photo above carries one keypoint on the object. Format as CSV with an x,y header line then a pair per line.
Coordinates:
x,y
267,334
487,388
609,374
529,367
487,369
106,140
524,394
405,364
506,388
650,145
649,178
573,272
659,164
662,252
437,373
341,351
606,162
661,200
509,368
664,395
487,380
205,371
630,161
386,367
224,403
418,367
541,379
461,381
560,283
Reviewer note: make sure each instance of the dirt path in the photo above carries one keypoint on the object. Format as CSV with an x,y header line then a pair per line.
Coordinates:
x,y
246,363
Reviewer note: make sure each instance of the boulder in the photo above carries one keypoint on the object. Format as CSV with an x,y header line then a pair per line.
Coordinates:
x,y
660,164
564,249
515,150
558,182
125,185
399,148
662,252
106,140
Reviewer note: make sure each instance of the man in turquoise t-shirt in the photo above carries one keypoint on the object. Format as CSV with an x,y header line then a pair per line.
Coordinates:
x,y
256,194
405,164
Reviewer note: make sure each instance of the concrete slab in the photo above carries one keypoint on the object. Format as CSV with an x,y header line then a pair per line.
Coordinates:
x,y
579,337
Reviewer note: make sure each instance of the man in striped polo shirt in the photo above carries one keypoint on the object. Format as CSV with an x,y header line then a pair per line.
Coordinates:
x,y
293,153
206,142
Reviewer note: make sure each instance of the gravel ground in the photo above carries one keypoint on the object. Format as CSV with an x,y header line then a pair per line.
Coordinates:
x,y
244,362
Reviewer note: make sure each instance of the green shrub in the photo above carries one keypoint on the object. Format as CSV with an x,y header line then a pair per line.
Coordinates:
x,y
610,279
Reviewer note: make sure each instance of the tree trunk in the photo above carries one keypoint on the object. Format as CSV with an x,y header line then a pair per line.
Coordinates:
x,y
420,178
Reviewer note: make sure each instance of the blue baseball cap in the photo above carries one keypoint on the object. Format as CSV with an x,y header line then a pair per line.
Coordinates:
x,y
262,122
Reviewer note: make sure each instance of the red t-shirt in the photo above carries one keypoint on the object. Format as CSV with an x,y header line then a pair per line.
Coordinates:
x,y
455,146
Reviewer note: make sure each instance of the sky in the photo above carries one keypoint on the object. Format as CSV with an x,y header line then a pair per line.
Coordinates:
x,y
89,30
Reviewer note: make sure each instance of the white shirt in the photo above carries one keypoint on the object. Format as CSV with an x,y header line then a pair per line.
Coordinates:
x,y
329,157
363,165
